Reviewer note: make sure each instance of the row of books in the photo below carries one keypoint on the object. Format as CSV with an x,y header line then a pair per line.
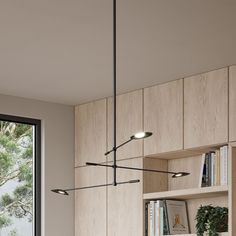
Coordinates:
x,y
166,217
214,168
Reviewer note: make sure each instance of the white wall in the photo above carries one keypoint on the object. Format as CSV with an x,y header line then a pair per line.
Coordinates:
x,y
57,159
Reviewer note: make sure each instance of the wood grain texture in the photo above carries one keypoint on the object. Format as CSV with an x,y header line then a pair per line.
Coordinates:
x,y
125,209
191,165
206,109
129,122
194,204
90,204
155,182
232,103
189,193
90,133
163,115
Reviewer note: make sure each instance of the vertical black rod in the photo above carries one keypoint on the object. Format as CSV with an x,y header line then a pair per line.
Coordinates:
x,y
114,87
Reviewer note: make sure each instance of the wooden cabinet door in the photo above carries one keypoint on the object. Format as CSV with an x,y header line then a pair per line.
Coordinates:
x,y
232,103
129,122
206,109
125,209
90,132
163,115
90,204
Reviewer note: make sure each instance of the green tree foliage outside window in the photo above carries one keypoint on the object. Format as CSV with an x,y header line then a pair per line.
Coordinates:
x,y
16,160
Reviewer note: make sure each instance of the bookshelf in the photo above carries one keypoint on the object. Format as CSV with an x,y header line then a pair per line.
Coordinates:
x,y
187,188
188,117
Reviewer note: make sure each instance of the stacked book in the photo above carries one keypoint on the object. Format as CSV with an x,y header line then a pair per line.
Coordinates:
x,y
166,217
214,168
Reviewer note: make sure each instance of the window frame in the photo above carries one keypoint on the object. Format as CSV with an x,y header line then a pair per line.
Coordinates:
x,y
37,165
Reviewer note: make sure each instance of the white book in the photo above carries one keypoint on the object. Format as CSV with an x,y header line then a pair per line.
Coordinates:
x,y
213,169
201,170
224,165
161,218
157,218
152,218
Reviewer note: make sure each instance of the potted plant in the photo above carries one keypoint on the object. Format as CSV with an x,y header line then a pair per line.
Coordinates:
x,y
211,220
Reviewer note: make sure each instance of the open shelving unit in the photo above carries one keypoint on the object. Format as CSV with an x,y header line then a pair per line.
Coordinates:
x,y
187,188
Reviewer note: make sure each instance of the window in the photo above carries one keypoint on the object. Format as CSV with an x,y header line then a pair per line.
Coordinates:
x,y
20,176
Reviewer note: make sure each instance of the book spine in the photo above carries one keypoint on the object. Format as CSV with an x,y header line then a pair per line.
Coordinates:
x,y
213,179
146,219
152,218
202,177
217,167
207,169
223,165
210,169
161,219
165,219
226,164
157,218
149,219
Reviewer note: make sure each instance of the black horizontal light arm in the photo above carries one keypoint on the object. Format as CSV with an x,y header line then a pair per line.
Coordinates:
x,y
139,169
112,150
65,191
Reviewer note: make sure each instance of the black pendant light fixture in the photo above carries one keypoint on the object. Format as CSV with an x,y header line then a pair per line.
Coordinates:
x,y
137,136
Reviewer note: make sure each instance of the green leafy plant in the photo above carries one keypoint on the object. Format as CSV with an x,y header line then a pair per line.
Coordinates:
x,y
211,220
16,163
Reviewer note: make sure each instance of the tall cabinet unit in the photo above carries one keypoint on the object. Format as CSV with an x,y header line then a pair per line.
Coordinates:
x,y
129,122
206,109
188,117
90,204
163,115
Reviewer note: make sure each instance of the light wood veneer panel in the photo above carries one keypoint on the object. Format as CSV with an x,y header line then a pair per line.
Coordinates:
x,y
206,109
90,204
163,115
129,122
155,182
191,165
232,103
90,125
125,209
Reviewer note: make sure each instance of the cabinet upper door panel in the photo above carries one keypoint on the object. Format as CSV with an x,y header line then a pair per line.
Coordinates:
x,y
163,115
90,131
232,103
129,121
206,109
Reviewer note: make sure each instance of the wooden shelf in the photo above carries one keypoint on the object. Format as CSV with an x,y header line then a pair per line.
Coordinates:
x,y
186,152
214,191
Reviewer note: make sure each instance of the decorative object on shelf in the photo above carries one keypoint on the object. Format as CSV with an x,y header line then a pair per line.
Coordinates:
x,y
211,220
177,217
140,135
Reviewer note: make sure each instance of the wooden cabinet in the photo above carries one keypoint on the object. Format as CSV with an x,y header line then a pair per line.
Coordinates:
x,y
90,131
125,202
90,204
163,115
206,109
129,122
232,103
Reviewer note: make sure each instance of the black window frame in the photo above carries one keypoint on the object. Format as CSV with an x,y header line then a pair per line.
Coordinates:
x,y
37,165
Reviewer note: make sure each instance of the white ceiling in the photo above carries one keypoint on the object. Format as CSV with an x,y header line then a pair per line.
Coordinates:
x,y
61,50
